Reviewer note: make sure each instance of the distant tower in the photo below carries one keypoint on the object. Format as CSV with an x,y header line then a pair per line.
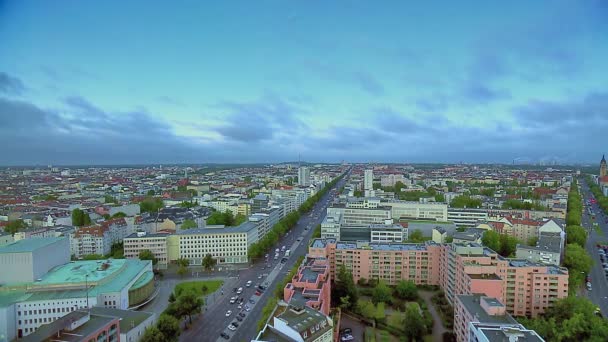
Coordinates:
x,y
603,170
368,180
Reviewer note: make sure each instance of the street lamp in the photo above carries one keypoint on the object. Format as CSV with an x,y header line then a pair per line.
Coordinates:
x,y
86,285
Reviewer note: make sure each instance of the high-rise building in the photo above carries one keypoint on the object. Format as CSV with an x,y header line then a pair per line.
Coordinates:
x,y
368,181
303,176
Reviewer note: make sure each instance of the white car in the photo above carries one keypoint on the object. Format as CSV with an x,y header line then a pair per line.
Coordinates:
x,y
240,306
247,308
248,284
589,286
232,327
228,313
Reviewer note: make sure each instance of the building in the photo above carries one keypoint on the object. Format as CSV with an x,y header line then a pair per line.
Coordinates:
x,y
155,243
227,245
91,240
479,318
303,176
439,235
467,218
311,285
5,238
298,323
603,168
260,202
549,248
61,286
417,210
392,179
368,180
385,233
25,261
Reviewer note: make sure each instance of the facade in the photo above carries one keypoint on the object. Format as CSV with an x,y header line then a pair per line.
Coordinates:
x,y
392,179
548,250
155,243
298,323
226,244
526,288
27,260
368,180
33,233
417,210
91,240
383,233
467,217
303,176
479,318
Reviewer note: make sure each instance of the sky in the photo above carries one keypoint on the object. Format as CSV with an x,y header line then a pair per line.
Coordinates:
x,y
131,82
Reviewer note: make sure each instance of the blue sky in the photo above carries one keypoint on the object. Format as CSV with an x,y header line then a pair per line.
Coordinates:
x,y
264,81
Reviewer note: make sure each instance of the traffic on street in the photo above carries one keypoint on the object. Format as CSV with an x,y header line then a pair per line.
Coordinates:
x,y
235,313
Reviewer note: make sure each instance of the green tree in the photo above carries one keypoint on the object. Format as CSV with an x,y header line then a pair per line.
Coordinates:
x,y
109,199
577,235
151,193
413,323
508,245
464,201
578,263
532,241
380,314
416,236
119,214
345,287
381,293
189,303
406,290
78,219
146,254
491,239
440,198
14,226
152,334
182,271
151,205
366,309
182,264
247,179
209,262
172,298
117,250
168,327
93,257
188,224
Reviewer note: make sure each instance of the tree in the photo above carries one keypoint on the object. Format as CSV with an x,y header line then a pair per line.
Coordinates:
x,y
578,263
508,245
416,236
247,179
532,241
109,199
491,239
119,214
381,293
152,334
209,262
577,235
151,205
117,251
146,254
172,298
181,271
345,286
14,226
366,309
465,202
151,193
189,303
168,327
380,314
188,224
80,218
362,281
406,290
413,323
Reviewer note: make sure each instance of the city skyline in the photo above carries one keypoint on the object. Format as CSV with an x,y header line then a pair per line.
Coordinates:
x,y
114,83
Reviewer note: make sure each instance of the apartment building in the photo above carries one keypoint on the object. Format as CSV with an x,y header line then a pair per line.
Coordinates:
x,y
311,285
91,240
299,195
155,243
392,179
526,288
303,176
467,218
298,323
479,318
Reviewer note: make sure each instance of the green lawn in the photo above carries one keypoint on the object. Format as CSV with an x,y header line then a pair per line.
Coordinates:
x,y
199,286
370,334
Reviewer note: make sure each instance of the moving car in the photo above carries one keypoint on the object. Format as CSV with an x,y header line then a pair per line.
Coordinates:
x,y
248,284
588,286
228,313
239,291
233,299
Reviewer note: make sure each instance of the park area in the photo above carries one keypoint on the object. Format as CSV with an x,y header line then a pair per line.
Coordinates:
x,y
201,288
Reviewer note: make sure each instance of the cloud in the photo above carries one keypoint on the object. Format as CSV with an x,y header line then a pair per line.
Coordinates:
x,y
361,79
170,100
480,93
10,85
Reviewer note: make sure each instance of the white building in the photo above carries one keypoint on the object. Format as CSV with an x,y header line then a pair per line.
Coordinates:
x,y
27,260
417,210
392,179
467,217
298,323
368,180
155,243
303,176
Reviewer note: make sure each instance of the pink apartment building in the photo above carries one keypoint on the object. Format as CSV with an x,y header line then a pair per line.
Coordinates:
x,y
311,285
526,288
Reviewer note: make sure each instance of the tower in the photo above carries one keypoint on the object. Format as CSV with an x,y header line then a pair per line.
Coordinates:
x,y
603,170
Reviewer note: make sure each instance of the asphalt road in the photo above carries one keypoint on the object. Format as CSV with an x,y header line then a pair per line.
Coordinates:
x,y
214,321
599,284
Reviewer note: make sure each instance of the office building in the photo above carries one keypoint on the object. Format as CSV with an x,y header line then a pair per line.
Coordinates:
x,y
155,243
303,176
417,210
467,218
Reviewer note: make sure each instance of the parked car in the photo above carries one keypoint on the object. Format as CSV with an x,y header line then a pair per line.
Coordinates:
x,y
235,324
232,327
239,318
225,336
242,314
228,313
588,286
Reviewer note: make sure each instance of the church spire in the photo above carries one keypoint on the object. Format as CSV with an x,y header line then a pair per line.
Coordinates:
x,y
603,159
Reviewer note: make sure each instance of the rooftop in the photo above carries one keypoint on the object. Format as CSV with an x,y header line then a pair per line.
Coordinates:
x,y
473,306
129,319
58,330
28,245
507,333
242,228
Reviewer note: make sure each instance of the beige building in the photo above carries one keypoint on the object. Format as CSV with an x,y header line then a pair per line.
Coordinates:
x,y
155,243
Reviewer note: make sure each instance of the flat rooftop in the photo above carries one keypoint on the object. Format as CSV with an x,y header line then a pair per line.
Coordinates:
x,y
28,245
56,331
473,306
384,246
129,319
242,228
507,334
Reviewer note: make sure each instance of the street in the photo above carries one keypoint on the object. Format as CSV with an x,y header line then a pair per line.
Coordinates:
x,y
214,321
599,293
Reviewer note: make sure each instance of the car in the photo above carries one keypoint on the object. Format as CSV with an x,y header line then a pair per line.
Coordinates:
x,y
588,286
247,308
235,289
225,336
248,284
239,318
299,239
240,306
347,331
232,327
239,291
587,279
228,313
347,337
233,300
260,276
262,288
242,314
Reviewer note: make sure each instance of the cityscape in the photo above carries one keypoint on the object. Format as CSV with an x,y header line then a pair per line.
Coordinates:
x,y
303,171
